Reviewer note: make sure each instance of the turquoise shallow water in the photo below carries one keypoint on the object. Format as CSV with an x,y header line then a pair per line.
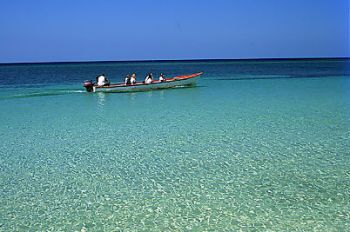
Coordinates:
x,y
256,146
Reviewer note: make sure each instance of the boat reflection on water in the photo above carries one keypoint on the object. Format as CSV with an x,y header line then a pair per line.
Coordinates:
x,y
101,99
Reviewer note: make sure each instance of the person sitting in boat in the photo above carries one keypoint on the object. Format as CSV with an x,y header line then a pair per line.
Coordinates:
x,y
161,77
127,80
133,79
148,79
102,80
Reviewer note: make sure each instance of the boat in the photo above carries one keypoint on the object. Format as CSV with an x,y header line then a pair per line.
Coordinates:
x,y
178,81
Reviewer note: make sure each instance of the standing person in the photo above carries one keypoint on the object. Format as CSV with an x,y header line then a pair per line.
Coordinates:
x,y
161,77
133,79
127,80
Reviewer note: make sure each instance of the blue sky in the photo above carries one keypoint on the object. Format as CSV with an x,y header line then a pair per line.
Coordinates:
x,y
62,30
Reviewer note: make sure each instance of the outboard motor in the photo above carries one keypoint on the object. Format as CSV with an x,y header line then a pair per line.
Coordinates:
x,y
89,85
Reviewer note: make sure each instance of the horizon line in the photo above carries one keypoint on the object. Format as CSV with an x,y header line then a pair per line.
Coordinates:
x,y
174,60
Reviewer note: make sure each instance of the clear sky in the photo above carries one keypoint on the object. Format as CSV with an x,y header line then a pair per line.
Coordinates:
x,y
98,30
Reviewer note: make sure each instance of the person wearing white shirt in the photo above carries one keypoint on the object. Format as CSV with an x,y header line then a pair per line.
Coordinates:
x,y
102,80
148,79
161,78
127,80
133,79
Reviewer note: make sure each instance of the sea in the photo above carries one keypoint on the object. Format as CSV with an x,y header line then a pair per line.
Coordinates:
x,y
257,145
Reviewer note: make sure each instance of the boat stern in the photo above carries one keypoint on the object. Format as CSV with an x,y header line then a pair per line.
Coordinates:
x,y
89,85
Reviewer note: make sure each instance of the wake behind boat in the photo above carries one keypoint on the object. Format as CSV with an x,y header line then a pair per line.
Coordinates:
x,y
178,81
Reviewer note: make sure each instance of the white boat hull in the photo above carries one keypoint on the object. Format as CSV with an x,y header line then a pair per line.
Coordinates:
x,y
181,81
